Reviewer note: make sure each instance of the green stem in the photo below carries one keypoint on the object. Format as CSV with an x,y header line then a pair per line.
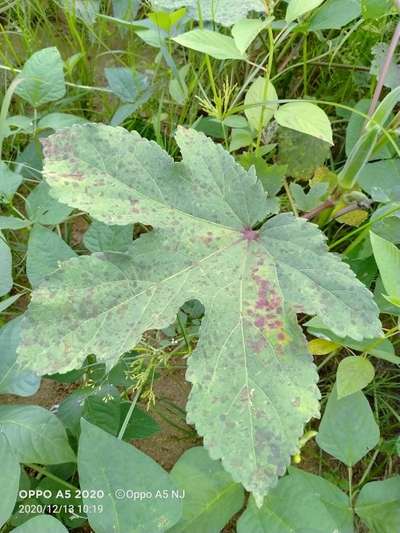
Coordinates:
x,y
266,83
129,414
51,476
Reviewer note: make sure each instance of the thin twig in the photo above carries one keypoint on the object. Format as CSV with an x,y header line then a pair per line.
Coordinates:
x,y
385,67
317,210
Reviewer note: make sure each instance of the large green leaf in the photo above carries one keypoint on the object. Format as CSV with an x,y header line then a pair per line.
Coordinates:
x,y
226,12
348,430
301,503
378,504
334,14
35,434
10,473
42,78
121,471
12,379
211,496
42,523
203,247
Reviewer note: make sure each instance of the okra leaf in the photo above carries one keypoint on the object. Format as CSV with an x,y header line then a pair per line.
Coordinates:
x,y
203,246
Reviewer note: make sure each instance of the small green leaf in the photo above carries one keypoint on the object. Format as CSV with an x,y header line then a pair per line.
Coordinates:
x,y
306,118
9,182
103,413
129,85
387,257
240,139
348,430
43,78
210,42
246,30
298,8
307,201
259,115
46,251
10,473
35,434
353,374
124,469
378,505
211,495
42,523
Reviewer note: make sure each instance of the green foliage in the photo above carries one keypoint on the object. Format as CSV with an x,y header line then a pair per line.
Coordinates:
x,y
225,12
10,473
35,435
43,523
211,496
353,374
212,235
155,509
298,8
12,379
348,430
378,504
258,115
301,502
387,256
306,118
42,78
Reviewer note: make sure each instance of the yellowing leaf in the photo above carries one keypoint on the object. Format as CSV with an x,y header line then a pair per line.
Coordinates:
x,y
322,346
306,118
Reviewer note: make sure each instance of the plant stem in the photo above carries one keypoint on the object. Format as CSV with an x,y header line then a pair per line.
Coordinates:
x,y
385,67
350,480
51,476
317,210
266,84
290,198
129,414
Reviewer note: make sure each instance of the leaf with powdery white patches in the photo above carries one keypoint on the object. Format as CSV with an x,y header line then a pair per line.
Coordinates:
x,y
202,247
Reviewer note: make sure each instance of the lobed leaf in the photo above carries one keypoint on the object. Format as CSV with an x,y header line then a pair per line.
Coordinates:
x,y
203,247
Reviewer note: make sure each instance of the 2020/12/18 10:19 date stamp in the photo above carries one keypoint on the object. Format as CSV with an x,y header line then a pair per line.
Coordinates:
x,y
69,501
